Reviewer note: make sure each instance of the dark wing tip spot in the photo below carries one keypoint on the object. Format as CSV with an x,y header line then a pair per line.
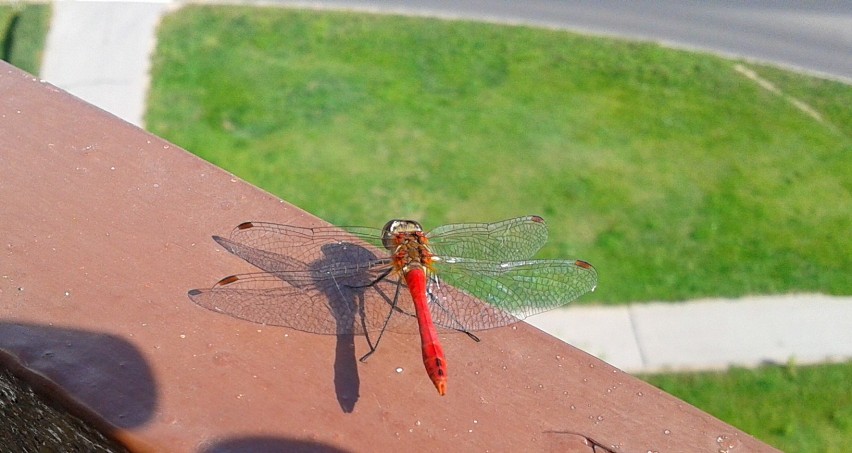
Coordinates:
x,y
227,280
245,226
583,264
194,292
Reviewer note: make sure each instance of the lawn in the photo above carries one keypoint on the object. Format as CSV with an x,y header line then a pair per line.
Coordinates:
x,y
801,409
671,172
23,31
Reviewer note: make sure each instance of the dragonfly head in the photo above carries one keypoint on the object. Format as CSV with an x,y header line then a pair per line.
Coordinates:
x,y
395,227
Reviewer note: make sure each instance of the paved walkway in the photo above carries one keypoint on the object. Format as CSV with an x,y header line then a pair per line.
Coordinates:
x,y
99,51
709,334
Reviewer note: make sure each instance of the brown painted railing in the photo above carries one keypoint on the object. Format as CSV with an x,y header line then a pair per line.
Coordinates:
x,y
105,227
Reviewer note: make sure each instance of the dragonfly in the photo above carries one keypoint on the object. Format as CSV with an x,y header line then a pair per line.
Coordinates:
x,y
359,280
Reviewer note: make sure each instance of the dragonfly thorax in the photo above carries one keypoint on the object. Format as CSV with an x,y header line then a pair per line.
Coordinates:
x,y
408,245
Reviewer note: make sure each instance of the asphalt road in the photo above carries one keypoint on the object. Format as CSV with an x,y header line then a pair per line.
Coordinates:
x,y
813,37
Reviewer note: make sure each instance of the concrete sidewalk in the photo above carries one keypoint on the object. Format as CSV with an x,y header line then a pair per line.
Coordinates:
x,y
100,52
709,334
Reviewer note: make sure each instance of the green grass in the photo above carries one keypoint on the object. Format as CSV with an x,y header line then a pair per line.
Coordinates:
x,y
801,409
23,32
672,173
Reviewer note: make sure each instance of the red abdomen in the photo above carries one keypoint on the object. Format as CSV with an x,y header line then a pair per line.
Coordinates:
x,y
433,353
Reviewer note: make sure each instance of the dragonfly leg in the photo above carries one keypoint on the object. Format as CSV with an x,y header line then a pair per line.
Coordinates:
x,y
469,334
435,302
369,343
364,357
385,325
377,279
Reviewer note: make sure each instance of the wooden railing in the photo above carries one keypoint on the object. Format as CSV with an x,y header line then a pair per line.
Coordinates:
x,y
105,227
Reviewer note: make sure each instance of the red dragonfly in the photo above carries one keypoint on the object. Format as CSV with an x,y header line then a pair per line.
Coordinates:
x,y
336,280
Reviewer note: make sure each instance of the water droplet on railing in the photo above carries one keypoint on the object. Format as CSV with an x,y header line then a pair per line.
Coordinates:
x,y
727,443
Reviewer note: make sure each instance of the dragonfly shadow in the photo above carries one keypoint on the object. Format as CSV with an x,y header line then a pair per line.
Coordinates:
x,y
346,302
332,288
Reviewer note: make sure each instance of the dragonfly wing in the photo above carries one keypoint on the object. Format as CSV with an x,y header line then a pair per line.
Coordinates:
x,y
509,240
299,242
477,295
335,259
300,301
322,280
266,299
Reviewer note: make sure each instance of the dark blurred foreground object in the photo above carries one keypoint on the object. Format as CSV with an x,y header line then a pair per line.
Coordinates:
x,y
32,423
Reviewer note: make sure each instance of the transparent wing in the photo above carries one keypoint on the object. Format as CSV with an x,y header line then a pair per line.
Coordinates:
x,y
476,295
292,244
509,240
329,280
306,302
317,280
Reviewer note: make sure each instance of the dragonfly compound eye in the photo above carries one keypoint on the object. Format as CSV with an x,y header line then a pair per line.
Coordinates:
x,y
395,227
